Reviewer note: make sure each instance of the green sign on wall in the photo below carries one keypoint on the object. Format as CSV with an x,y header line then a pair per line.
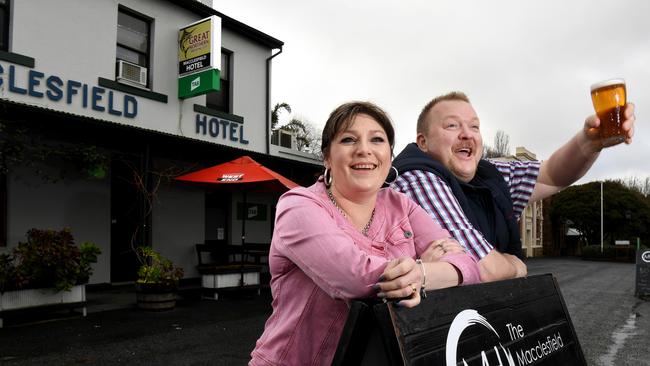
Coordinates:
x,y
255,212
199,83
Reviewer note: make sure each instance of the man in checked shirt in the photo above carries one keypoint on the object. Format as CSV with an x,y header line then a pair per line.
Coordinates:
x,y
479,201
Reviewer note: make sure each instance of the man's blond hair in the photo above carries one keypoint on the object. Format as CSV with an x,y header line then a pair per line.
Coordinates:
x,y
423,126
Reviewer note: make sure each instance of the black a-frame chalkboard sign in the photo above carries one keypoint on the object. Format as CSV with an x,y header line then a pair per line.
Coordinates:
x,y
642,287
507,323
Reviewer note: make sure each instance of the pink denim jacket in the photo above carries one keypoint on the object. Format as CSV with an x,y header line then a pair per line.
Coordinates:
x,y
319,261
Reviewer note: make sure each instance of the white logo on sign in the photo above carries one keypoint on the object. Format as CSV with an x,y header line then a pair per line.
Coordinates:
x,y
646,256
231,177
463,320
195,83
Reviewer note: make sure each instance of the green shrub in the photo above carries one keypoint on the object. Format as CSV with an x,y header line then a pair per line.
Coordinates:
x,y
593,252
48,258
155,269
9,278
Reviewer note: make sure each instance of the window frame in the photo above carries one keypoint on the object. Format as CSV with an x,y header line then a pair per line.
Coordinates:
x,y
4,37
147,55
227,104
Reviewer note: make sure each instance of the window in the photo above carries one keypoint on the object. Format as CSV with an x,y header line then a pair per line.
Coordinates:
x,y
284,138
4,25
221,100
132,43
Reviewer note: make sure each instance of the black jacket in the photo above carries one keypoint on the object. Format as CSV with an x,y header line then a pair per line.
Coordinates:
x,y
485,200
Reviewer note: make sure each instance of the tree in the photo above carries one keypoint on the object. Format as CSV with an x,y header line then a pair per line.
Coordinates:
x,y
28,147
501,146
307,139
638,184
502,143
275,113
626,213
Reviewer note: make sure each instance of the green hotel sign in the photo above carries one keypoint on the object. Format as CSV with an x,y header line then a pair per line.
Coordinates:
x,y
199,83
199,57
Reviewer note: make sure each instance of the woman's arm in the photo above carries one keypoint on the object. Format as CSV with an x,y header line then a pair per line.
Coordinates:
x,y
403,278
307,235
429,235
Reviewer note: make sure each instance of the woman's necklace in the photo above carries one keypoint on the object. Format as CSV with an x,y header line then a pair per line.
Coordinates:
x,y
365,228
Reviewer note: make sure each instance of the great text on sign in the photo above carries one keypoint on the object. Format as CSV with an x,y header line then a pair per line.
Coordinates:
x,y
199,46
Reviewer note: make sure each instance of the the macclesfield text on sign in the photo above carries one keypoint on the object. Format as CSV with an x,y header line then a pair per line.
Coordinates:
x,y
499,355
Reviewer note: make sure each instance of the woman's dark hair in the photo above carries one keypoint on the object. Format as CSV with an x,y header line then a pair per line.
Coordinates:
x,y
341,118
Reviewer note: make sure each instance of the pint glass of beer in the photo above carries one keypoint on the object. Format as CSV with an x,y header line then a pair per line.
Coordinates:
x,y
609,102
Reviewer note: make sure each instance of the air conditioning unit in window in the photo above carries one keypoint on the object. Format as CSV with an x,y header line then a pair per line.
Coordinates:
x,y
131,73
284,138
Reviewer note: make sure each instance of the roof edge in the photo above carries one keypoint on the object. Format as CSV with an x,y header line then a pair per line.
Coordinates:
x,y
230,23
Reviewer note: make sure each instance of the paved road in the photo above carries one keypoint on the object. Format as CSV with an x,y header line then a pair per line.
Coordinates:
x,y
613,326
197,332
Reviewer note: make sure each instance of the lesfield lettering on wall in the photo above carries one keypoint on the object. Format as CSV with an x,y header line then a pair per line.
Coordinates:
x,y
37,84
499,355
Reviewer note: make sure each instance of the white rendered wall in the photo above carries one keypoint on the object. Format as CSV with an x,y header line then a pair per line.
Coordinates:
x,y
178,223
256,231
82,205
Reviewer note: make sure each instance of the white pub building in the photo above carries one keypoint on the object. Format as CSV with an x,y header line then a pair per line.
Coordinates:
x,y
93,127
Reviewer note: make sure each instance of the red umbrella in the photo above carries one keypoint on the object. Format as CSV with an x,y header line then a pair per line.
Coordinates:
x,y
241,171
243,174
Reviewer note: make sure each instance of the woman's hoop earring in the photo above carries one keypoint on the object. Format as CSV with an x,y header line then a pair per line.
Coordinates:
x,y
327,177
394,179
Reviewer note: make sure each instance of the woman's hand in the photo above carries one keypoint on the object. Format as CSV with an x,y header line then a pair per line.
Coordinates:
x,y
440,248
402,279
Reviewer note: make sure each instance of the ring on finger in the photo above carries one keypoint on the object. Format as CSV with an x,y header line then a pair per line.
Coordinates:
x,y
413,288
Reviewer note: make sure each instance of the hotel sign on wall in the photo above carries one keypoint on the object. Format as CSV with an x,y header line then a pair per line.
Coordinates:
x,y
199,57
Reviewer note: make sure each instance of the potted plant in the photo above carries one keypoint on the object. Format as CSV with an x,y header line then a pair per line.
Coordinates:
x,y
47,269
157,280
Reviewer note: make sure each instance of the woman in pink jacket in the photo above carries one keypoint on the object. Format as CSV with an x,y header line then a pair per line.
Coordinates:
x,y
347,238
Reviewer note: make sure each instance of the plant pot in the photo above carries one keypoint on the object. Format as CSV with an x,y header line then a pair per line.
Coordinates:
x,y
155,296
33,298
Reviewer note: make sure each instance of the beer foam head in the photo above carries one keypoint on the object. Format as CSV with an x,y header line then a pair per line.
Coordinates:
x,y
605,83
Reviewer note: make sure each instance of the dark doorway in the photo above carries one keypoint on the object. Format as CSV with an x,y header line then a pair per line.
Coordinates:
x,y
217,212
128,224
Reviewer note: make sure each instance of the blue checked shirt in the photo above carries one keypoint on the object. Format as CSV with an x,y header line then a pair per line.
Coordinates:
x,y
435,196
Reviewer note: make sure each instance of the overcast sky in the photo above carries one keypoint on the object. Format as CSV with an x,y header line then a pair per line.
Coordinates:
x,y
526,65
